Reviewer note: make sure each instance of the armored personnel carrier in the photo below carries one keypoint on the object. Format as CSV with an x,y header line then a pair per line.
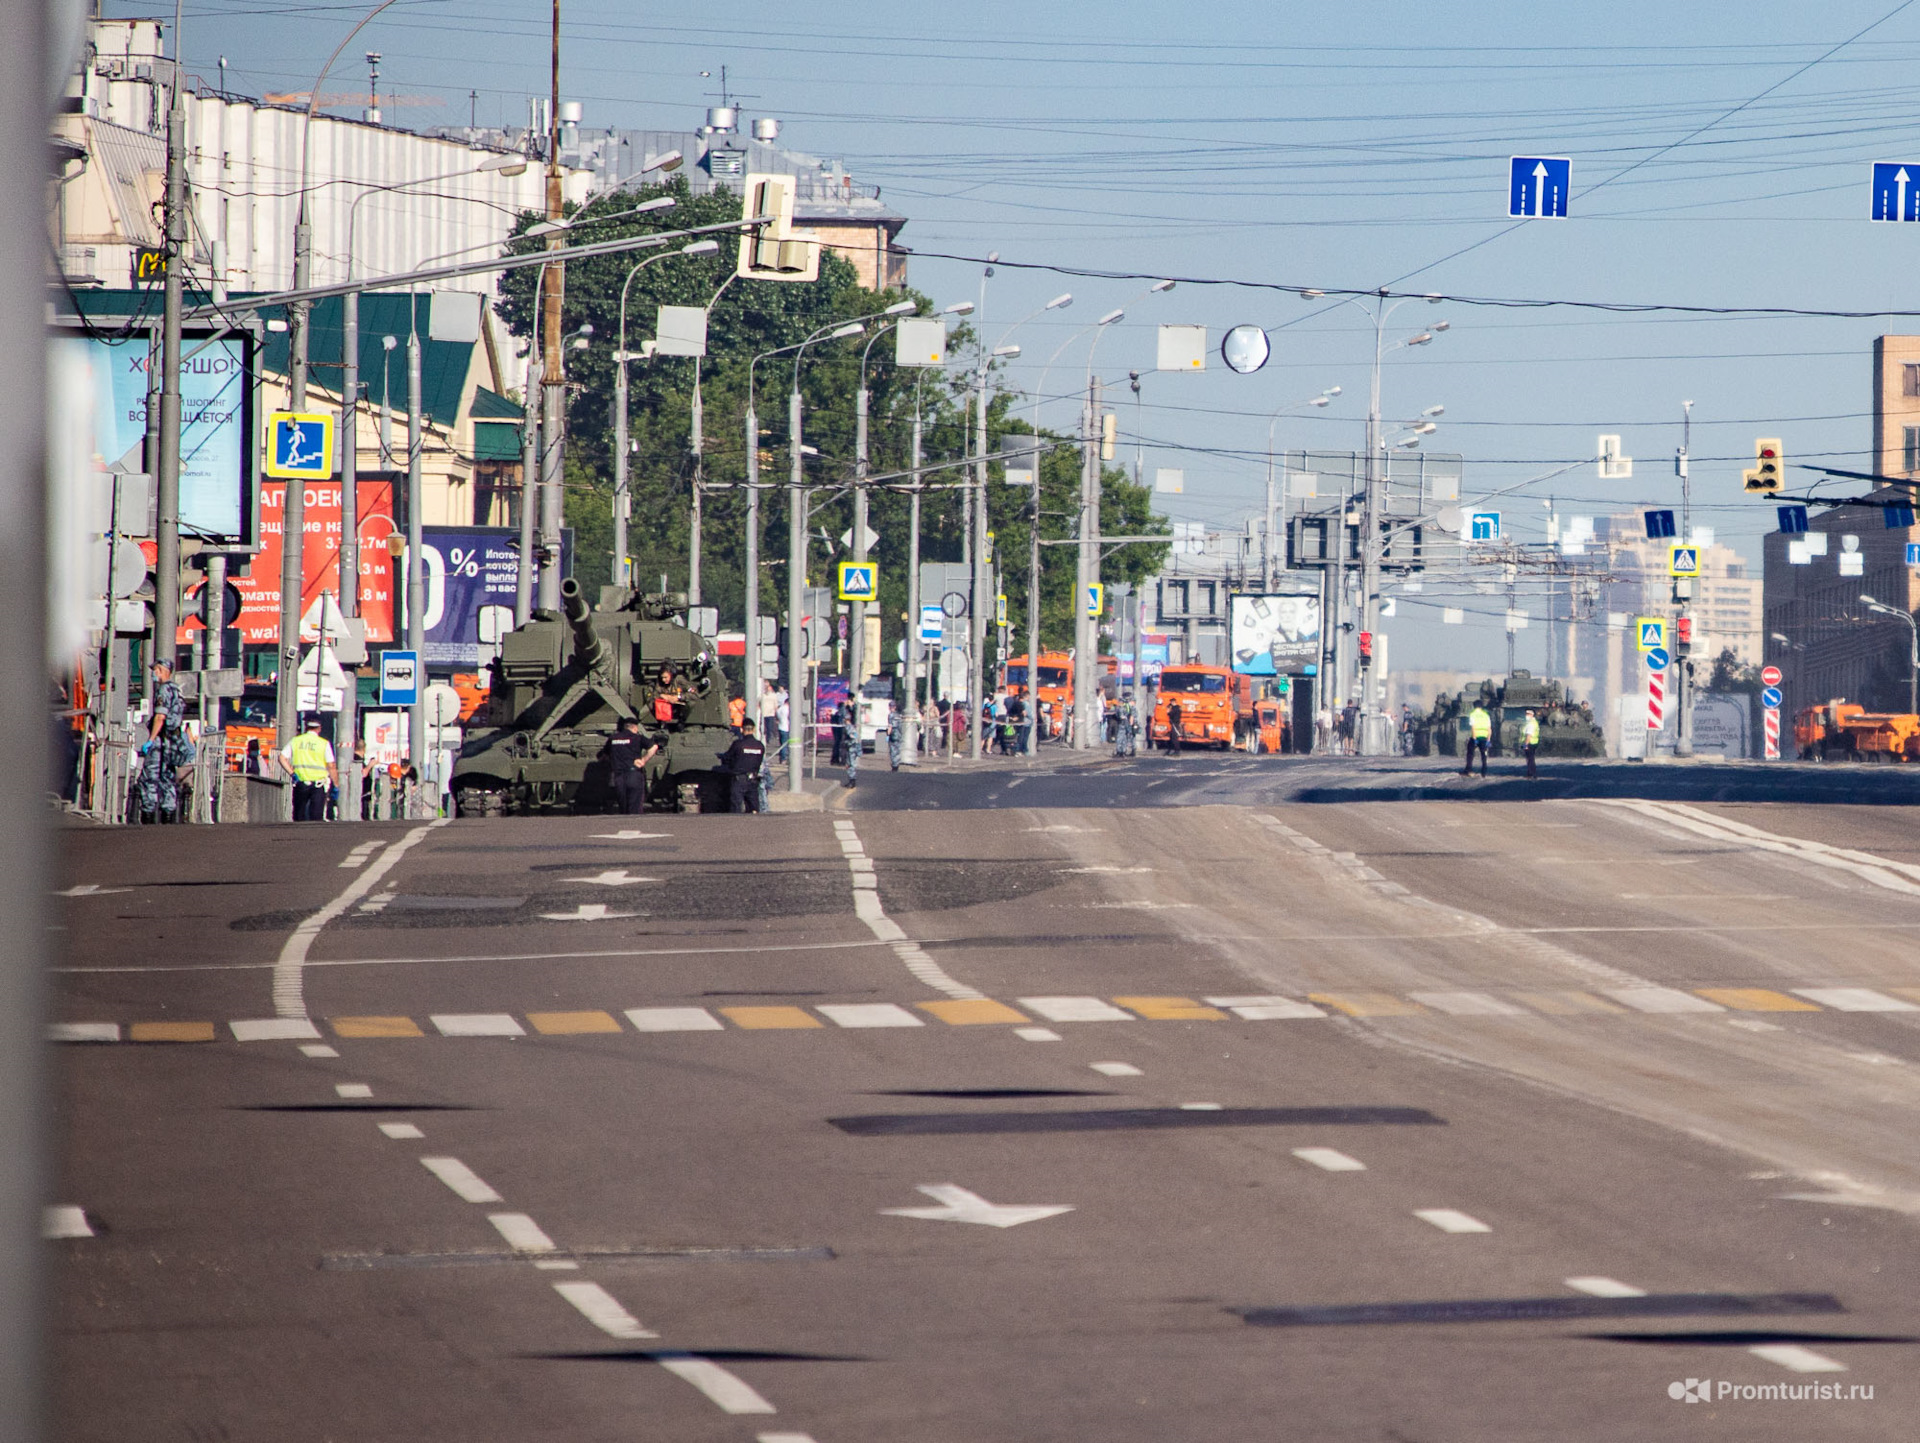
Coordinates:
x,y
560,686
1566,729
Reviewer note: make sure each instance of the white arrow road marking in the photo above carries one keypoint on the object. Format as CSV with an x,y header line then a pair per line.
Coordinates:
x,y
1900,194
587,912
91,889
64,1220
1539,186
632,836
960,1206
613,877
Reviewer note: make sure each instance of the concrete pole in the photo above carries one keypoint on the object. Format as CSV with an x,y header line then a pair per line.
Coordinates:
x,y
751,624
1086,572
348,440
982,587
696,443
858,619
529,494
166,569
798,711
553,375
416,579
1033,609
621,496
910,730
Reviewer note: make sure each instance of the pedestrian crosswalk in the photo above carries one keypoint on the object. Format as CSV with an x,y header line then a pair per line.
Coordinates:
x,y
1644,1000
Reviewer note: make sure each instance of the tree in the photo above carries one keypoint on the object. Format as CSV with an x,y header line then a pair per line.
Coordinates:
x,y
1730,674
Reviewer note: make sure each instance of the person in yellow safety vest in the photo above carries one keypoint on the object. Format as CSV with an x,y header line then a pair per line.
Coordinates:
x,y
1479,733
1530,740
309,758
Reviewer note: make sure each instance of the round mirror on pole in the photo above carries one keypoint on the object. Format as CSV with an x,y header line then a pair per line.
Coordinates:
x,y
1245,349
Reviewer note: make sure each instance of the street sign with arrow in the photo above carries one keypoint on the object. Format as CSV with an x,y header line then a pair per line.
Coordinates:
x,y
1537,186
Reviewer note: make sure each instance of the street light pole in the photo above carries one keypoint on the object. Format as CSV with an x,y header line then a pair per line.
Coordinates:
x,y
553,382
1880,608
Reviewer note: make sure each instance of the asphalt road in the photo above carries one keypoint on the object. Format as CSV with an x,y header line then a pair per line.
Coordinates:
x,y
1196,1098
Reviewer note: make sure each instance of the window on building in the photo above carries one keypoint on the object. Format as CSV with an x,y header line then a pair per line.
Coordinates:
x,y
1910,448
1910,378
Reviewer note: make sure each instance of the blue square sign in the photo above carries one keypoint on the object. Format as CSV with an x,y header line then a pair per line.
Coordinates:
x,y
1537,186
399,678
299,446
1913,553
1896,191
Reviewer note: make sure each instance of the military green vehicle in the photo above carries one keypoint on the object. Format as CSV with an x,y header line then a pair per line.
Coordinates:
x,y
560,686
1566,729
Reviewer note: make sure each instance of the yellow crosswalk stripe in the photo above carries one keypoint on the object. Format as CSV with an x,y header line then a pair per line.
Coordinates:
x,y
1755,999
1170,1009
968,1012
376,1027
170,1032
756,1019
1367,1004
562,1024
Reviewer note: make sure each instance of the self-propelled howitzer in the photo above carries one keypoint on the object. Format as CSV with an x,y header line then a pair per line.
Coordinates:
x,y
560,686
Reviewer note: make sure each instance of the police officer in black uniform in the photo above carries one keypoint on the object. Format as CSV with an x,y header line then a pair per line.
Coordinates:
x,y
742,762
627,754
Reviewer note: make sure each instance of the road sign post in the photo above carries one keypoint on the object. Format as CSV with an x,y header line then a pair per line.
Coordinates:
x,y
299,446
1896,196
1770,722
1652,632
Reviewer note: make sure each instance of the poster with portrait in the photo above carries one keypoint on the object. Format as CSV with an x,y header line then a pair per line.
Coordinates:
x,y
1275,635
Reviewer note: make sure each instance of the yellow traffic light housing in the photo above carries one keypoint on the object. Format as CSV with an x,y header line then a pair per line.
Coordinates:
x,y
775,251
1769,468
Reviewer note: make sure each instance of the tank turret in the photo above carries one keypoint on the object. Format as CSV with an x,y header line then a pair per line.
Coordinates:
x,y
589,651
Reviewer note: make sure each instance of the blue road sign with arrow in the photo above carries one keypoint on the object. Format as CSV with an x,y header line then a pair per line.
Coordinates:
x,y
1896,191
1657,659
1537,186
1770,697
1913,553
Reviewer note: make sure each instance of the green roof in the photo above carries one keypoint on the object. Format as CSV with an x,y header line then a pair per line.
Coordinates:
x,y
496,441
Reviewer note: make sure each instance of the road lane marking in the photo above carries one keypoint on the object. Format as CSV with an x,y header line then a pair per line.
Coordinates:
x,y
731,1394
1036,1034
1074,1009
971,1012
1171,1009
761,1019
273,1029
567,1024
1797,1359
959,1205
359,855
1117,1069
1894,876
631,836
1755,999
1329,1159
1754,1024
599,1307
1451,1220
674,1019
318,1049
1854,999
467,1185
783,1438
522,1233
1367,1004
83,1032
1661,999
1266,1009
289,987
170,1032
866,906
1605,1288
1568,1004
588,912
401,1131
868,1014
612,877
1467,1004
1201,1107
352,1089
64,1220
375,1027
476,1024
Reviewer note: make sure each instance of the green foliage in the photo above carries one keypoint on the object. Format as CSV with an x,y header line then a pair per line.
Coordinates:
x,y
747,319
1730,674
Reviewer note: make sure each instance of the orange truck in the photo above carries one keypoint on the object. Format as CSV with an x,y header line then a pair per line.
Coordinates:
x,y
1056,688
1843,728
1216,707
1267,732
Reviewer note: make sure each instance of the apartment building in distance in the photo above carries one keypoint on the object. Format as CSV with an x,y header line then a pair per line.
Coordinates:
x,y
1827,644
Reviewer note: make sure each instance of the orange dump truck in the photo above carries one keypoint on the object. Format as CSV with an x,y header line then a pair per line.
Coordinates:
x,y
1842,728
1056,688
1267,733
1215,707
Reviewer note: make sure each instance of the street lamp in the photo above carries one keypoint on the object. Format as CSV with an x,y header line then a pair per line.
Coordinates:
x,y
556,227
1321,401
1880,608
622,497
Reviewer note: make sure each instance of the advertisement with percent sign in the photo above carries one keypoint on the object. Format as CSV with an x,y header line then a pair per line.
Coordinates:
x,y
469,574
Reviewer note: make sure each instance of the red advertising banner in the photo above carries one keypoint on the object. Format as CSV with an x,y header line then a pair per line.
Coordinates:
x,y
260,592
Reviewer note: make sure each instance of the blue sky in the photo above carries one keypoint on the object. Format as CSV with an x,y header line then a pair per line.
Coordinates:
x,y
1714,164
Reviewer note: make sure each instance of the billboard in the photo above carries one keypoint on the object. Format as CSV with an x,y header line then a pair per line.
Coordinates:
x,y
216,425
469,575
1274,635
260,589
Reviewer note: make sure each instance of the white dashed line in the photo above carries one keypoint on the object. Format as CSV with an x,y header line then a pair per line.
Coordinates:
x,y
522,1233
730,1393
465,1182
1606,1288
1797,1359
1036,1034
866,906
65,1220
1661,999
1854,999
599,1307
1467,1004
1075,1009
401,1131
83,1032
477,1024
358,856
353,1089
1117,1069
783,1438
1451,1220
1266,1009
274,1029
868,1014
1201,1107
673,1019
1329,1159
318,1049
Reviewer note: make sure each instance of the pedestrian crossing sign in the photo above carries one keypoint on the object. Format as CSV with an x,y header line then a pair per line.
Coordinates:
x,y
1096,600
1653,632
299,446
1683,560
859,580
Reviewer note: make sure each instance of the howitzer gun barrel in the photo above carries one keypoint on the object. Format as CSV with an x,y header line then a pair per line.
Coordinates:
x,y
588,649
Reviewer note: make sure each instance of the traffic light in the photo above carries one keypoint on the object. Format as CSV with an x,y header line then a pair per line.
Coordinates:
x,y
776,251
1683,633
1109,434
1366,648
1768,473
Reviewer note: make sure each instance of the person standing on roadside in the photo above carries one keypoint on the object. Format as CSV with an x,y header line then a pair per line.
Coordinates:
x,y
309,759
743,762
165,751
1530,741
627,754
1479,734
